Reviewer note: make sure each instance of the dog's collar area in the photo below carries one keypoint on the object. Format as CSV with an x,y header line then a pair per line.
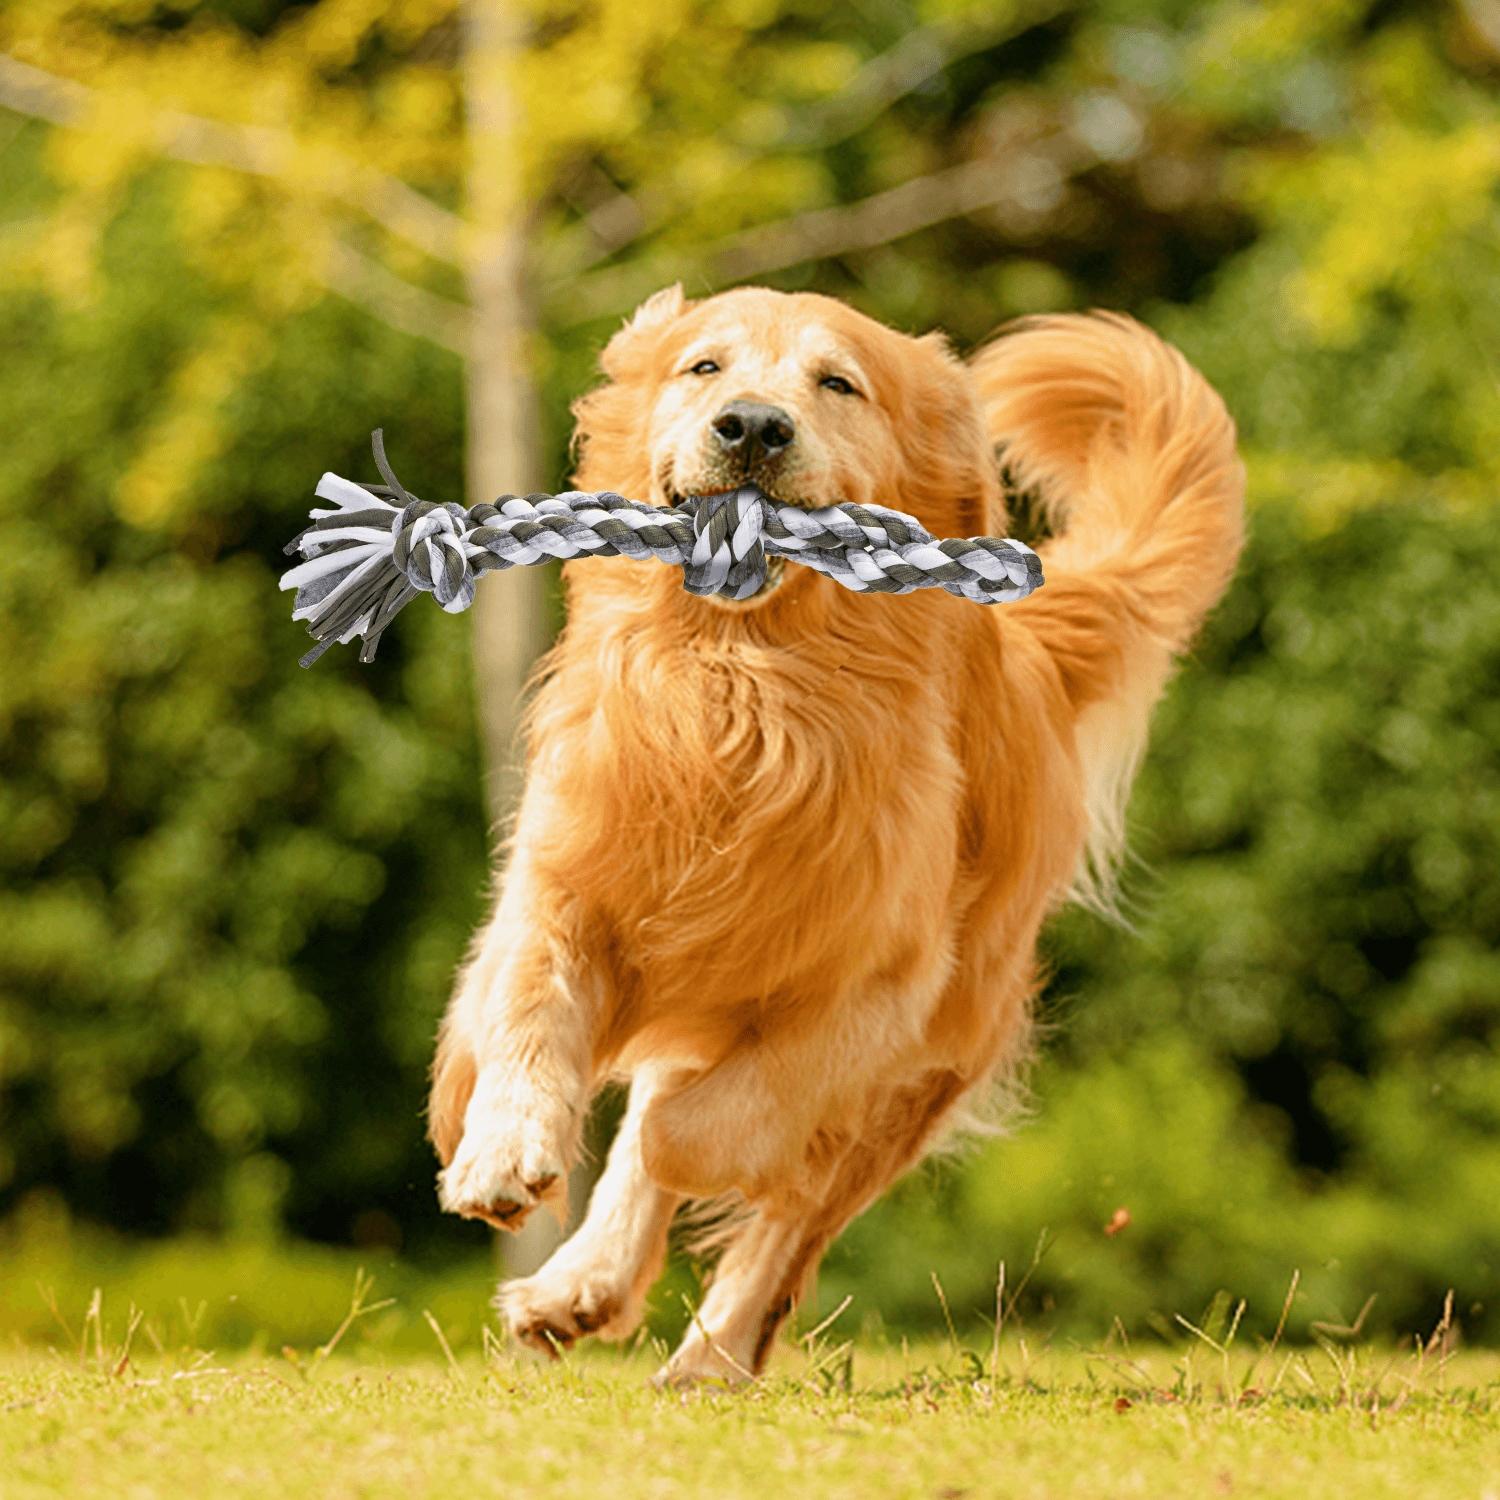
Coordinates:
x,y
364,560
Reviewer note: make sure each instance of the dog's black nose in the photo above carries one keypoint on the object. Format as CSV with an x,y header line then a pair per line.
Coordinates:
x,y
753,430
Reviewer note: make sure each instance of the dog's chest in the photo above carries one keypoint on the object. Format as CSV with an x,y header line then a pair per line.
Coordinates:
x,y
746,832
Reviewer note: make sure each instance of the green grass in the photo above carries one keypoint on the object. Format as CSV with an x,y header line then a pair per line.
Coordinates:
x,y
113,1408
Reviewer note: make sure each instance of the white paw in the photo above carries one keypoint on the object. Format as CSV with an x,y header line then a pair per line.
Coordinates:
x,y
702,1361
558,1305
515,1153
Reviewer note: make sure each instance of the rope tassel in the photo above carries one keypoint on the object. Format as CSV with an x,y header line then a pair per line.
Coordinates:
x,y
379,547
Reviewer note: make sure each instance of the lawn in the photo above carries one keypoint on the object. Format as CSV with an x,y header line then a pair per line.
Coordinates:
x,y
118,1412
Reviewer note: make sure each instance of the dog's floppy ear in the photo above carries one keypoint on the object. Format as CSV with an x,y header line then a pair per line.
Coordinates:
x,y
945,442
609,438
659,309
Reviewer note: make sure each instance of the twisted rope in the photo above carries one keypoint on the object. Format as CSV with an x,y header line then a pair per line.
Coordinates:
x,y
381,546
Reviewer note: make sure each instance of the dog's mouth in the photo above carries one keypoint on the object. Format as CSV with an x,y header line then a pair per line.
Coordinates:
x,y
775,566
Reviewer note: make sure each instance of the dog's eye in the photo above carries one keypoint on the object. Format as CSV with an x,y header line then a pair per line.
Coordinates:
x,y
838,385
705,367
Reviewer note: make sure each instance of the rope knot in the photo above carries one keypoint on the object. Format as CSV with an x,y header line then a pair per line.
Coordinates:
x,y
728,554
428,546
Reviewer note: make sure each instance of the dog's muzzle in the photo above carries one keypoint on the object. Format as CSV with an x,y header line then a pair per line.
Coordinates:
x,y
729,551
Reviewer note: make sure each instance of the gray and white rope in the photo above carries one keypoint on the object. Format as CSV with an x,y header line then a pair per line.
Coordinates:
x,y
380,546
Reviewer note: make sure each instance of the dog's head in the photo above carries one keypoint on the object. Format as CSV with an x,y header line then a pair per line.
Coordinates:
x,y
796,393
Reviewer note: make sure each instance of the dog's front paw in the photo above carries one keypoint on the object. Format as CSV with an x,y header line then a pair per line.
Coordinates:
x,y
514,1156
559,1305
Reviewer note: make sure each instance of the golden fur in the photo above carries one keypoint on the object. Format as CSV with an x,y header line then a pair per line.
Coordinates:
x,y
784,863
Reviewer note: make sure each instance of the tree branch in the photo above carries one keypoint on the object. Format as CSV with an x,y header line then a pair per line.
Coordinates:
x,y
257,150
891,215
608,220
818,235
362,280
920,56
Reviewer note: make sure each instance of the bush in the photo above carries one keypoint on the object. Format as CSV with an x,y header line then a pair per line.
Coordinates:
x,y
231,892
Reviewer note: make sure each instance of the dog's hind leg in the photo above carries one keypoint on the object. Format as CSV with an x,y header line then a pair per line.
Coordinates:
x,y
769,1263
597,1281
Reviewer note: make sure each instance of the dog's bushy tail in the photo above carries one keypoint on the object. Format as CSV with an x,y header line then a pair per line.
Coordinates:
x,y
1131,457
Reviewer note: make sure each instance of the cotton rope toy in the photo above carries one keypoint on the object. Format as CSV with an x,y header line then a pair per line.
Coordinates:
x,y
382,546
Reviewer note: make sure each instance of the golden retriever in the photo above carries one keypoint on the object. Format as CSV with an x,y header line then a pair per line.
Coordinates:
x,y
782,863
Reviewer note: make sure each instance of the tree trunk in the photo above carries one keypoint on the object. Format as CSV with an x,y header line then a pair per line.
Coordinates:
x,y
510,617
503,454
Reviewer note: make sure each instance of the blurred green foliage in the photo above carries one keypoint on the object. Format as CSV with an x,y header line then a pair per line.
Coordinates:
x,y
231,893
